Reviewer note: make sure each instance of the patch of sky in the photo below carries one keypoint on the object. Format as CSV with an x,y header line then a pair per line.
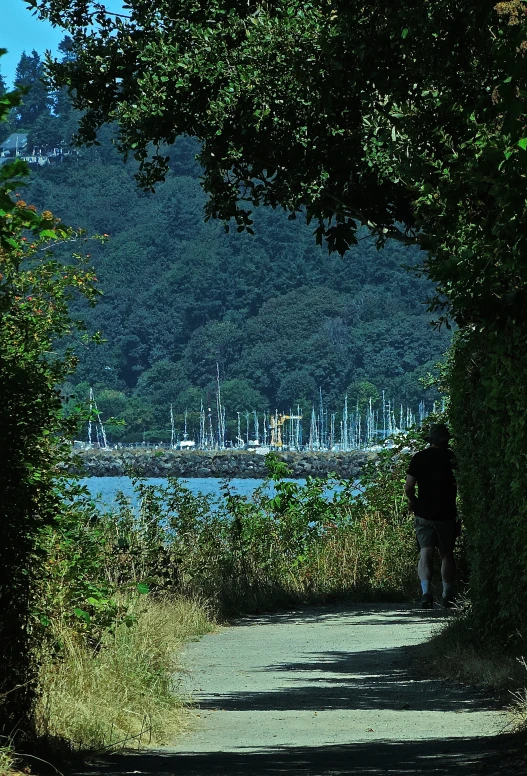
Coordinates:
x,y
21,30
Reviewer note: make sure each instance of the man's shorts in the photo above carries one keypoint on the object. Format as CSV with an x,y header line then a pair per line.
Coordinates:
x,y
436,533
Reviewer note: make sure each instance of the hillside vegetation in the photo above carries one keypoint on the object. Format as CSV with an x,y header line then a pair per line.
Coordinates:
x,y
281,317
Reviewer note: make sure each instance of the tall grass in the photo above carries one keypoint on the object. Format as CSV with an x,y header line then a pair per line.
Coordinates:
x,y
253,567
296,545
460,651
125,692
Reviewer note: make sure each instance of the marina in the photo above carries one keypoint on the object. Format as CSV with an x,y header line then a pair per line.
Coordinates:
x,y
362,426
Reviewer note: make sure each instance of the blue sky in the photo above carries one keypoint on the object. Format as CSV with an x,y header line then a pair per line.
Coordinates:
x,y
21,31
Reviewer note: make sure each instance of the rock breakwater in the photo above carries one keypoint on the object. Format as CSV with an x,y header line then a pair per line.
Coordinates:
x,y
205,463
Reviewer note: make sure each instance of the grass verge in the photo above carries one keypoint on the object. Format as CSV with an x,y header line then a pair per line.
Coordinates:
x,y
459,651
124,693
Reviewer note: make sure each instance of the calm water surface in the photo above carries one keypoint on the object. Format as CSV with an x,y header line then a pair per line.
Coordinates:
x,y
106,488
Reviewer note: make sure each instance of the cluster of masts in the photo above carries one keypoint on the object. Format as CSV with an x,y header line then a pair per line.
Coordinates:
x,y
96,432
355,428
352,429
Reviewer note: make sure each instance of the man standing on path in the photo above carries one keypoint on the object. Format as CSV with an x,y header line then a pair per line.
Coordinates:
x,y
435,512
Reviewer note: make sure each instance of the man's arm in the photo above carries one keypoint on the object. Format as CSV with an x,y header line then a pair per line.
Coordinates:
x,y
409,489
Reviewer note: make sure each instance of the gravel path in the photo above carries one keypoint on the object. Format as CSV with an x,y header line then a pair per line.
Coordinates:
x,y
325,692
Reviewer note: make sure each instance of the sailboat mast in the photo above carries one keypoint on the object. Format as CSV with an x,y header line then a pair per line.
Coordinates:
x,y
321,419
202,426
211,430
89,418
239,440
101,440
219,412
298,427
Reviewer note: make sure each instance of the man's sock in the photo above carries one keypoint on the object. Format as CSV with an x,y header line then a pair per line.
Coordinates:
x,y
425,586
448,590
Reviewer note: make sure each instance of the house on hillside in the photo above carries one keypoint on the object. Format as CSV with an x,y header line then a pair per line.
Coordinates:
x,y
15,145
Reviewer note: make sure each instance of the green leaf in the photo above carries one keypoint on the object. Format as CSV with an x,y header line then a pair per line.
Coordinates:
x,y
143,588
404,32
82,615
523,143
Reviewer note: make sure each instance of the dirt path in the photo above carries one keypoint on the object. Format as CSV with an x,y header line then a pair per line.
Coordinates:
x,y
324,692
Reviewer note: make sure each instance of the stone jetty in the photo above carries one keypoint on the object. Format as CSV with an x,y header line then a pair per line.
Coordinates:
x,y
209,463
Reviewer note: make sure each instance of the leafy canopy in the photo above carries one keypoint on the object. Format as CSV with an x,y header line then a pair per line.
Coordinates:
x,y
408,117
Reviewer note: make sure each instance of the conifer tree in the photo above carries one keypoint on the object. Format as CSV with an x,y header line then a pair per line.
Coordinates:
x,y
36,101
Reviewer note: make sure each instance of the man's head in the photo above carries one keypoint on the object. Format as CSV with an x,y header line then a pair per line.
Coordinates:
x,y
439,435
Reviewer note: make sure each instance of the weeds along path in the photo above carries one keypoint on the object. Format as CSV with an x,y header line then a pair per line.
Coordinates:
x,y
325,691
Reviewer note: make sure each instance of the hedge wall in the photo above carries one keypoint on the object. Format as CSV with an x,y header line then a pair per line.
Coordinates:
x,y
489,420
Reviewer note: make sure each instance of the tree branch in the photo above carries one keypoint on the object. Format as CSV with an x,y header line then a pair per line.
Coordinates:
x,y
389,232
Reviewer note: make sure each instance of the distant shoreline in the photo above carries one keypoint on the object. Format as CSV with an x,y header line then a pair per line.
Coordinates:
x,y
212,463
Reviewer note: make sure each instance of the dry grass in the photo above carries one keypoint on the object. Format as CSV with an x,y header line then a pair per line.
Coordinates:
x,y
9,761
125,694
373,559
518,705
457,651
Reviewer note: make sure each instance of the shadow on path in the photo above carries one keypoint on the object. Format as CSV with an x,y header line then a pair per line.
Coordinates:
x,y
378,613
448,757
392,679
372,679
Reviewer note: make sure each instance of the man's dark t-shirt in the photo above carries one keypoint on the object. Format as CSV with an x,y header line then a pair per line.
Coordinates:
x,y
436,484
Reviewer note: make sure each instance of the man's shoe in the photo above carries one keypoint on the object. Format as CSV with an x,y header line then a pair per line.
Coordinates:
x,y
448,602
427,601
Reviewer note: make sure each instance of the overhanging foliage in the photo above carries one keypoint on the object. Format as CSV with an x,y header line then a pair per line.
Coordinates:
x,y
408,117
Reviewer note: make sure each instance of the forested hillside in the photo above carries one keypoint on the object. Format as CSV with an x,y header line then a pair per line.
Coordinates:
x,y
280,317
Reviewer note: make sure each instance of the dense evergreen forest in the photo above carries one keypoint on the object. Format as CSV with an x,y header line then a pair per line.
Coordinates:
x,y
281,317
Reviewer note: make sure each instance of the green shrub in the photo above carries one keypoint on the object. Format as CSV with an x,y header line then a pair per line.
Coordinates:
x,y
293,544
489,420
35,293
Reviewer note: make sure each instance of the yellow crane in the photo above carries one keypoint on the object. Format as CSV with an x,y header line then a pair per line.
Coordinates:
x,y
276,423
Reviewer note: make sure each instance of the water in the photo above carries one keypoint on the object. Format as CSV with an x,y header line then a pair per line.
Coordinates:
x,y
107,487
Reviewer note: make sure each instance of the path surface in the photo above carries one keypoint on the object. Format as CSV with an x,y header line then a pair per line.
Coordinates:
x,y
324,692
